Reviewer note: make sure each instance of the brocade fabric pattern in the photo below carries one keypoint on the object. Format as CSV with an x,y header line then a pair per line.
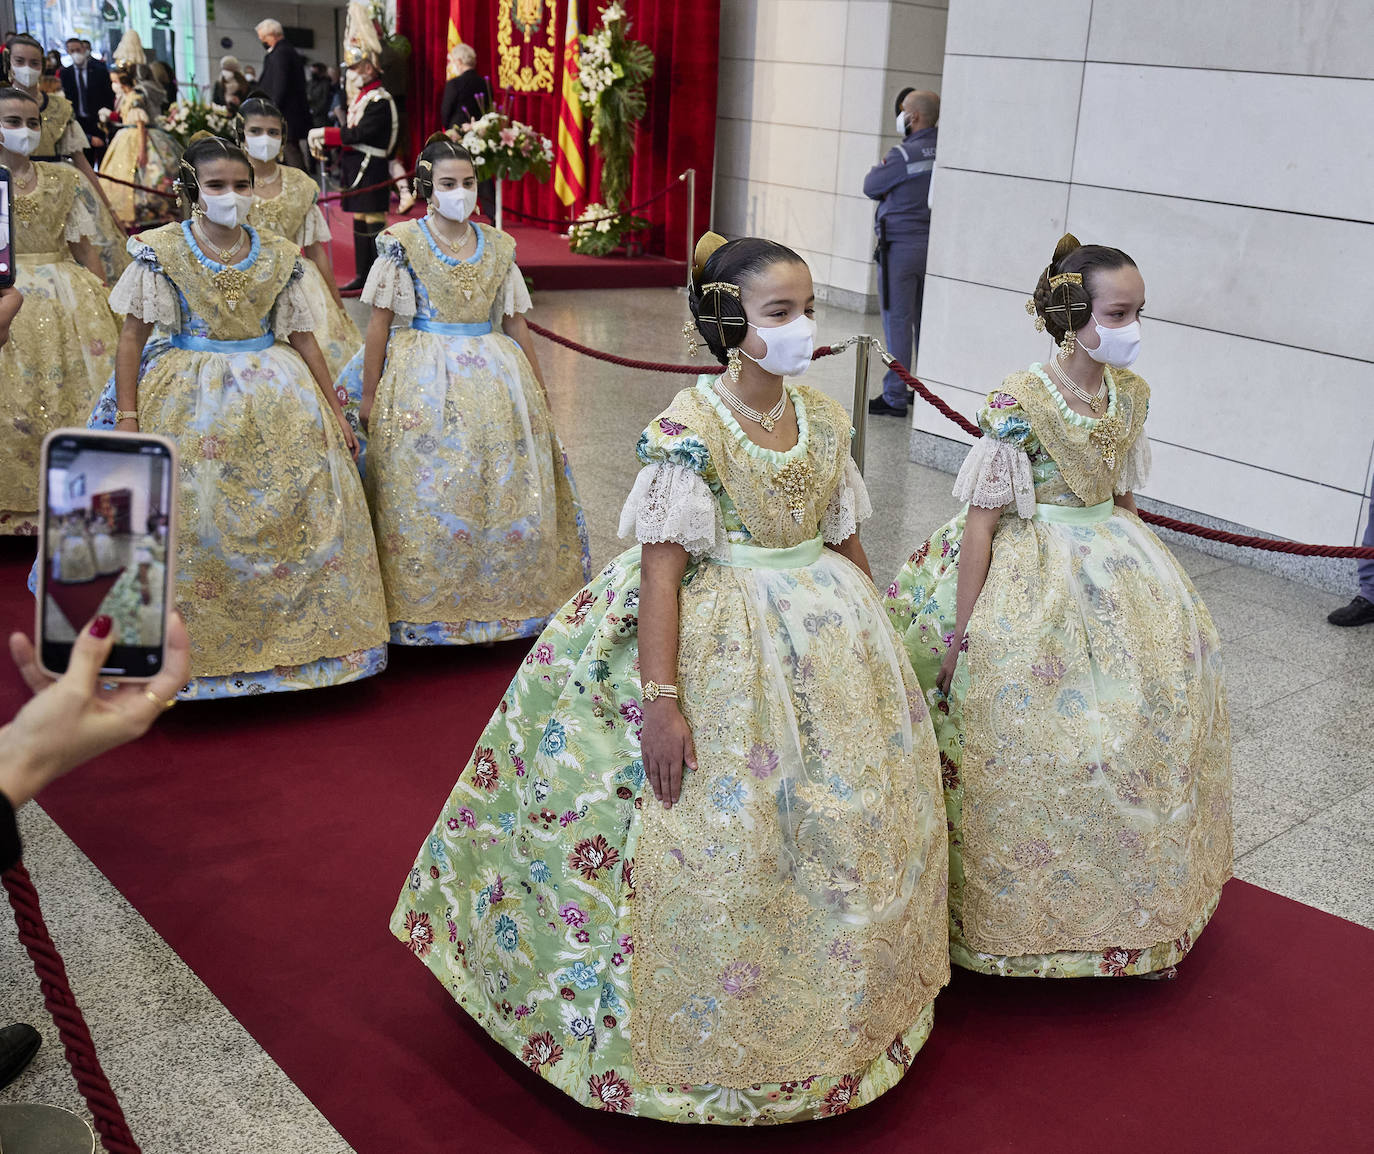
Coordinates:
x,y
1085,744
61,135
62,342
767,950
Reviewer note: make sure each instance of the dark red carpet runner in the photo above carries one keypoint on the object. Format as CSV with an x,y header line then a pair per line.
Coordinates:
x,y
266,839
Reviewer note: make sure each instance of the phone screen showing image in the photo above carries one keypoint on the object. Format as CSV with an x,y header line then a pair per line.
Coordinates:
x,y
6,231
105,542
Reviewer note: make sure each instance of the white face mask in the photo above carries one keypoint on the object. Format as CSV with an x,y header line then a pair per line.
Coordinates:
x,y
79,58
225,74
228,209
455,203
789,347
26,77
1116,347
901,125
21,140
262,147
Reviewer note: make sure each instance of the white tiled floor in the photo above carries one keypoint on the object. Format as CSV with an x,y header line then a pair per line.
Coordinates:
x,y
1302,695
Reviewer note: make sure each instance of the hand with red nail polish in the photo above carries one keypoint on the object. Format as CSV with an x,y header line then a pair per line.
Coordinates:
x,y
74,718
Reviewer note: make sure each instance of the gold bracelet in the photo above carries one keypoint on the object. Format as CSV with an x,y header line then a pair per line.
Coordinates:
x,y
653,691
125,415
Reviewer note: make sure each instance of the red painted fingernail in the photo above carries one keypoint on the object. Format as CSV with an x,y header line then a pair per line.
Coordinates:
x,y
100,627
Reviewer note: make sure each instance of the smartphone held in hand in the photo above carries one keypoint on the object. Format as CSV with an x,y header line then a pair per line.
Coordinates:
x,y
107,546
6,228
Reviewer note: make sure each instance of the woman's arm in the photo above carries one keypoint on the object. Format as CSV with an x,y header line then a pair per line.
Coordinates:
x,y
665,742
315,252
374,357
132,337
309,349
1126,501
518,331
85,255
975,558
852,549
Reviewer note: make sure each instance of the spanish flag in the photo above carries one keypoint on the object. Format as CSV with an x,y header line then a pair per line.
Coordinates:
x,y
570,171
455,35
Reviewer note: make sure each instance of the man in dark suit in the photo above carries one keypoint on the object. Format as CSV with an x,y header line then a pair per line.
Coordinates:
x,y
283,80
86,83
467,96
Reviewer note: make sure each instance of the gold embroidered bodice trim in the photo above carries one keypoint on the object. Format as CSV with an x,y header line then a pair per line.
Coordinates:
x,y
284,214
53,120
461,293
44,210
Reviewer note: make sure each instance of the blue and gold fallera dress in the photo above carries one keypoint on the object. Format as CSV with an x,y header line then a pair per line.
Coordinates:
x,y
1085,743
768,950
276,569
478,526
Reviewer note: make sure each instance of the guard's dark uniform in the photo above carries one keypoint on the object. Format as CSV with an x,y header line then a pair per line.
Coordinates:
x,y
368,140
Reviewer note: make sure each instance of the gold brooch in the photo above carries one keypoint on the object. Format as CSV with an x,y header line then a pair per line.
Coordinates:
x,y
1105,438
26,208
232,283
794,481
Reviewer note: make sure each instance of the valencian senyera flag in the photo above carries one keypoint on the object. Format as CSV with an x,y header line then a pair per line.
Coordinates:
x,y
570,170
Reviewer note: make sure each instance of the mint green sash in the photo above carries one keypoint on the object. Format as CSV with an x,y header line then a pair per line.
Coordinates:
x,y
1075,514
758,557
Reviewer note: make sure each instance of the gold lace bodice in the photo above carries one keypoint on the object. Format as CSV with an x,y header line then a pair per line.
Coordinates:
x,y
42,214
459,292
54,117
284,214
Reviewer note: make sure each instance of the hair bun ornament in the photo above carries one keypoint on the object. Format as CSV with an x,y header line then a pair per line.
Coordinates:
x,y
435,137
707,245
1067,243
199,135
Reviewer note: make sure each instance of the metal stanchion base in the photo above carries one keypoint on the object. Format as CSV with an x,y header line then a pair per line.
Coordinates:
x,y
29,1128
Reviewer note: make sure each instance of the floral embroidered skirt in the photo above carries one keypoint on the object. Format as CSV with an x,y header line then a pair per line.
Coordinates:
x,y
478,526
60,353
277,572
769,949
338,336
1085,747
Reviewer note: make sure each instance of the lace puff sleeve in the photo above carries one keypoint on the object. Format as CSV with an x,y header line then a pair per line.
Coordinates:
x,y
849,505
671,500
84,218
314,230
74,139
997,470
388,284
513,298
1136,474
144,290
293,312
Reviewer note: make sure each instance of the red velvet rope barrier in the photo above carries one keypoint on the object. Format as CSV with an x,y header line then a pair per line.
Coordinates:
x,y
659,195
61,1004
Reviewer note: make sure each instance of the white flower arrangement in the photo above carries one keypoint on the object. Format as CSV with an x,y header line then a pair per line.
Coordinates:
x,y
506,149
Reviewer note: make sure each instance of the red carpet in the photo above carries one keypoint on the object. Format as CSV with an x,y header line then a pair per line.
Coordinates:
x,y
543,257
267,839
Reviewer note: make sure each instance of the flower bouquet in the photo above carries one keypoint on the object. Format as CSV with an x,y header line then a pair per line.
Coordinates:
x,y
187,117
600,230
505,149
612,72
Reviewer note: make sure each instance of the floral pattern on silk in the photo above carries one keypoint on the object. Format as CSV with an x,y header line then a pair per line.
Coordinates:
x,y
770,948
1085,743
62,342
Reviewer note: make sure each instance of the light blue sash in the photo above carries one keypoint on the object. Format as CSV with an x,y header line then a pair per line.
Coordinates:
x,y
1075,514
479,329
206,345
758,557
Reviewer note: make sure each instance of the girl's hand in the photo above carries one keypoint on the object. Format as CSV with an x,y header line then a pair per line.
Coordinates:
x,y
127,425
665,743
946,674
350,438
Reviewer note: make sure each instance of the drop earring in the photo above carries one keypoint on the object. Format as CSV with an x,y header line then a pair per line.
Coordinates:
x,y
733,364
689,334
1066,346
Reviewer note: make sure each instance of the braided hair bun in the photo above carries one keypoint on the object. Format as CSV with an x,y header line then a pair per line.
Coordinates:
x,y
720,269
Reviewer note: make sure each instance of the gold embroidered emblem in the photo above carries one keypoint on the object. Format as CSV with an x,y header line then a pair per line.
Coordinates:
x,y
1105,438
26,208
233,283
794,482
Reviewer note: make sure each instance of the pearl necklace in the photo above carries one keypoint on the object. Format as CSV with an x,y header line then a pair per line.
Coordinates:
x,y
767,420
1093,401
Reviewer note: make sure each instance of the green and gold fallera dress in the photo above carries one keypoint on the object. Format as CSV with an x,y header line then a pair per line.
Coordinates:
x,y
1085,742
768,950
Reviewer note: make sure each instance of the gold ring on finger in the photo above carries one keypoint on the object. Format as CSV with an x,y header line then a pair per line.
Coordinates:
x,y
156,700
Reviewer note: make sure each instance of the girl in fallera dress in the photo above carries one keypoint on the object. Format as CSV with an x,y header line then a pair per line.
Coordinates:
x,y
276,568
478,526
1083,727
63,139
284,204
140,153
61,345
695,868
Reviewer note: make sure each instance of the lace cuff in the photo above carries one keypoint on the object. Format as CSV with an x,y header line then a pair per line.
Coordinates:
x,y
848,506
1136,474
672,503
389,287
314,230
514,297
293,312
145,292
84,218
995,474
74,140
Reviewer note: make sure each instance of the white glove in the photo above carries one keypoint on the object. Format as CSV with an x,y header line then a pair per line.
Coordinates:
x,y
315,139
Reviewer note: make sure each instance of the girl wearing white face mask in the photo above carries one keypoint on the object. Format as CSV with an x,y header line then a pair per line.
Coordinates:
x,y
65,333
274,511
284,204
729,715
140,153
62,138
477,521
1083,720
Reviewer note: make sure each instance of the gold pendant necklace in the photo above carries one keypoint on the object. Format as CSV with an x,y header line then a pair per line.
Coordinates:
x,y
25,203
231,282
768,420
1094,401
464,273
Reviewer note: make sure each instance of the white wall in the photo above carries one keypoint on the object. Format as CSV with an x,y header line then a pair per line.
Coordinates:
x,y
236,19
1226,146
806,99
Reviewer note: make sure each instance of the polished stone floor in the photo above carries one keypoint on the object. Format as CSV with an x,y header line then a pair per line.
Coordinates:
x,y
1302,696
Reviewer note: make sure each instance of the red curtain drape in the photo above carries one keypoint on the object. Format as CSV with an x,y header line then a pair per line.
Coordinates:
x,y
677,132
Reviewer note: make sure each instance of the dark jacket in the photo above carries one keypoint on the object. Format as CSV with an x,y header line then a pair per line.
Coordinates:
x,y
366,143
319,94
466,97
283,79
901,186
99,94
